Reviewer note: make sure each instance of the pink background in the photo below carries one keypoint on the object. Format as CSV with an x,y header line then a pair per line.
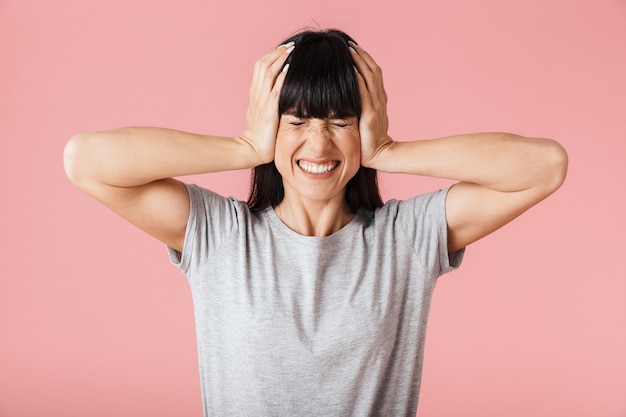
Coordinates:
x,y
94,321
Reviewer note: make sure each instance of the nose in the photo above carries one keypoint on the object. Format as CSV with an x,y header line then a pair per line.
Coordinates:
x,y
319,139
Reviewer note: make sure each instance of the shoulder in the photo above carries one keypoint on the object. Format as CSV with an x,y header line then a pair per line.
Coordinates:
x,y
213,220
422,215
213,214
213,202
418,223
427,204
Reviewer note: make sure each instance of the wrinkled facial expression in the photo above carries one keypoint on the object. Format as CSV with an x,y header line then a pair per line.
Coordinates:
x,y
317,157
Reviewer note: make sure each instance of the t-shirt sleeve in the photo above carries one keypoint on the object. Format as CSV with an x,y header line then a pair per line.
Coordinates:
x,y
211,221
423,220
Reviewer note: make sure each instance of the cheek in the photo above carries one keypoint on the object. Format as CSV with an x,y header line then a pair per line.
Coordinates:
x,y
352,153
283,152
353,146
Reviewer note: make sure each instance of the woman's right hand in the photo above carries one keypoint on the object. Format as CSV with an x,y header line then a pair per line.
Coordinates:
x,y
262,115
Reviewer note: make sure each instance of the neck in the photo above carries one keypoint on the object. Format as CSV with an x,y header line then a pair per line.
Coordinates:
x,y
314,218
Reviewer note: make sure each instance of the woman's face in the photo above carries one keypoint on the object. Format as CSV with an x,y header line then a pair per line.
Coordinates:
x,y
317,157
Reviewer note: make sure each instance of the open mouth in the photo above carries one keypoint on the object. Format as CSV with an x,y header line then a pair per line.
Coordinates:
x,y
313,168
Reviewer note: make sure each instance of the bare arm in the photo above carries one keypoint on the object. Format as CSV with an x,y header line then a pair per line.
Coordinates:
x,y
500,175
130,170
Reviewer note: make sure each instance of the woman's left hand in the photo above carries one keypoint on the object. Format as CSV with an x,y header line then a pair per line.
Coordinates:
x,y
374,122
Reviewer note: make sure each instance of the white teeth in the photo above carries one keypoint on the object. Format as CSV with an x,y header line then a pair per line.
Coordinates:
x,y
312,168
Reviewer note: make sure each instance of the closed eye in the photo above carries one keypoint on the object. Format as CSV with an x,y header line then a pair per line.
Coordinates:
x,y
343,121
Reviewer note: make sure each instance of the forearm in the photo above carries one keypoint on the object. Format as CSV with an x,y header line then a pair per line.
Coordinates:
x,y
135,156
499,161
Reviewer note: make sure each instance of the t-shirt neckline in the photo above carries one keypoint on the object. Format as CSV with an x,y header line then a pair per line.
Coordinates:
x,y
354,224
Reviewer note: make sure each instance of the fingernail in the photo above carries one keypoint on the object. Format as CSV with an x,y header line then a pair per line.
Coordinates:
x,y
285,68
351,43
352,49
291,48
287,45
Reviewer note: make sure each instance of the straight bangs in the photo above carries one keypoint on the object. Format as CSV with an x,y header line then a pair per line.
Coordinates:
x,y
321,80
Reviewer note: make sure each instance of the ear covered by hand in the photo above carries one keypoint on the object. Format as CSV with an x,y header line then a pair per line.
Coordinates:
x,y
374,122
262,115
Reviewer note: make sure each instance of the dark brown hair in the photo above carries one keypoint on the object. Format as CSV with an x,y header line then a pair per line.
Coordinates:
x,y
320,82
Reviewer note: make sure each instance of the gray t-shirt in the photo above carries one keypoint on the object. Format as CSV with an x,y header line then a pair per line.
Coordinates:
x,y
292,325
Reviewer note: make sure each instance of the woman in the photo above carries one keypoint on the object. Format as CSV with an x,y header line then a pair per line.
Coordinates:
x,y
312,298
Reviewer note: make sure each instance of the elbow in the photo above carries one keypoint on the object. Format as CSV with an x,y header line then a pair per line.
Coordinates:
x,y
74,158
557,163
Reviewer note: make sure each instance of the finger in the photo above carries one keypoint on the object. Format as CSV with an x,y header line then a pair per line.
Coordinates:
x,y
366,57
261,67
371,72
268,68
279,63
278,86
262,64
366,101
269,58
